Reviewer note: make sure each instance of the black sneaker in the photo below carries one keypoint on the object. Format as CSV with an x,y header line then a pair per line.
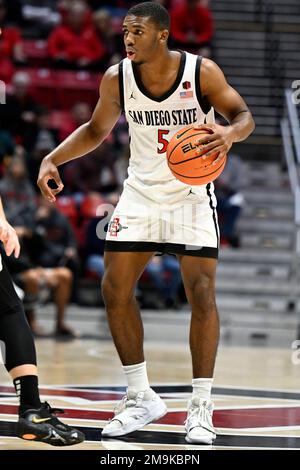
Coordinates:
x,y
42,425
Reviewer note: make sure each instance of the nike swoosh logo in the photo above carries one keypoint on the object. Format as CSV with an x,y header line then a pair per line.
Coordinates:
x,y
182,133
39,420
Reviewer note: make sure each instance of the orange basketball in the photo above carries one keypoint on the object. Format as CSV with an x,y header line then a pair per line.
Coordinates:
x,y
186,162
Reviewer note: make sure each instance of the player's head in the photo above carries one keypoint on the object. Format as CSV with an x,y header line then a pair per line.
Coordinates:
x,y
146,29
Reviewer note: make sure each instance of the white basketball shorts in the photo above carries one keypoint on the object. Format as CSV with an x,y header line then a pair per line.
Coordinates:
x,y
189,226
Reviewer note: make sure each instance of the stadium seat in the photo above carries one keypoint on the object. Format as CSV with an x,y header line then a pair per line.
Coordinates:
x,y
67,206
74,86
58,118
44,86
36,52
89,205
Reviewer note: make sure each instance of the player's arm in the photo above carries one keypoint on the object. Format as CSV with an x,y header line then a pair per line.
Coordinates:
x,y
87,137
8,235
227,102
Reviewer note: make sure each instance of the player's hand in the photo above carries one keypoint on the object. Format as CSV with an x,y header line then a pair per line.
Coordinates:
x,y
9,238
219,139
48,171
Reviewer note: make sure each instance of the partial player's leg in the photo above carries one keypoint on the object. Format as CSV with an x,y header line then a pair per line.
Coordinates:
x,y
122,271
60,280
199,281
198,276
37,420
141,405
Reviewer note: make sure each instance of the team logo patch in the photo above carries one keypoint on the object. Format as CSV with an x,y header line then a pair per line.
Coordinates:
x,y
186,85
115,227
187,93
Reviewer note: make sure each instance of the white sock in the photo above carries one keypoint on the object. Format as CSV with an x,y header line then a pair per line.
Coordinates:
x,y
137,377
202,388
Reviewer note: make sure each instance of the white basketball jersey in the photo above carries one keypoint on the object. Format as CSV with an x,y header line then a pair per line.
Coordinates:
x,y
153,121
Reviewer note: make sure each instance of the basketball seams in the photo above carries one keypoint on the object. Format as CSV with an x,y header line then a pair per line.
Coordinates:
x,y
195,169
189,159
223,161
186,138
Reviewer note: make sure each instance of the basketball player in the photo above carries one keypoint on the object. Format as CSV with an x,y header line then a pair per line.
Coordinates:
x,y
37,421
160,91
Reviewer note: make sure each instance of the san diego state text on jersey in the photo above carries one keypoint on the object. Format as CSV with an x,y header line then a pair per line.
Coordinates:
x,y
177,117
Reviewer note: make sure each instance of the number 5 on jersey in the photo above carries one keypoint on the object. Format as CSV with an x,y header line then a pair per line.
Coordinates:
x,y
161,140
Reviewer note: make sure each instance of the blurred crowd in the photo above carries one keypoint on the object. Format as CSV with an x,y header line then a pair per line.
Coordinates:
x,y
87,34
52,55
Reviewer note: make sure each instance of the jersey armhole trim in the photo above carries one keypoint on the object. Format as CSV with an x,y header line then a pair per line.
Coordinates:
x,y
203,101
121,86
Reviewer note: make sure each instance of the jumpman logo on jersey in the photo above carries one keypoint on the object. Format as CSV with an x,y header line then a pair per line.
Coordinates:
x,y
132,97
191,192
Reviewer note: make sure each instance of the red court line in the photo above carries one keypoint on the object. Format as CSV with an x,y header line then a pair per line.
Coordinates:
x,y
237,418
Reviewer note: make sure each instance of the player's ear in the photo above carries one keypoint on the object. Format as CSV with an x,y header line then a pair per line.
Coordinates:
x,y
164,36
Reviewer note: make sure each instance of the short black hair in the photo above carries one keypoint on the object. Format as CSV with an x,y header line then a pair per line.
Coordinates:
x,y
158,14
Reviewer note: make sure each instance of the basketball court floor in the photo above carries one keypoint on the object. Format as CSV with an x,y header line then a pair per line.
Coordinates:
x,y
256,394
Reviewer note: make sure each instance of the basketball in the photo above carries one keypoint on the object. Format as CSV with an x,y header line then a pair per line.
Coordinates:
x,y
186,162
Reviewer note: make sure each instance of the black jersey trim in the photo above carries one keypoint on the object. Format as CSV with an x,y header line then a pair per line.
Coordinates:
x,y
202,100
163,248
208,190
171,90
121,86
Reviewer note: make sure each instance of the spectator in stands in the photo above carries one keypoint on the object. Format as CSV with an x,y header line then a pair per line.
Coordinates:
x,y
112,41
38,284
94,236
168,4
11,49
39,17
116,7
59,245
64,7
7,147
59,242
80,114
230,199
18,196
119,135
19,115
11,42
95,173
94,249
192,27
121,165
40,141
75,43
164,272
14,14
20,205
